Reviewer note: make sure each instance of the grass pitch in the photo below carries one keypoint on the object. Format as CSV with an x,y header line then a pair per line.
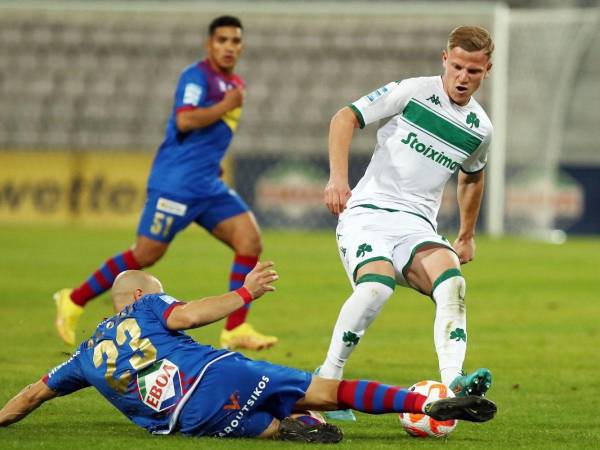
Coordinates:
x,y
533,320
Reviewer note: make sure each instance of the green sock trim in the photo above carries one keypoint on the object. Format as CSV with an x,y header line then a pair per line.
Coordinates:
x,y
367,261
443,277
374,278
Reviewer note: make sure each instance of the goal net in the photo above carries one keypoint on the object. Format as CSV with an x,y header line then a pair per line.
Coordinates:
x,y
547,55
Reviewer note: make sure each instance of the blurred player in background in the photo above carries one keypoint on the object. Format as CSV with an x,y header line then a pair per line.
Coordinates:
x,y
164,381
185,186
387,224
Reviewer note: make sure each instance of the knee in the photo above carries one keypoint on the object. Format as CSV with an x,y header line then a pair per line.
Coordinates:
x,y
147,255
250,245
450,292
459,288
378,288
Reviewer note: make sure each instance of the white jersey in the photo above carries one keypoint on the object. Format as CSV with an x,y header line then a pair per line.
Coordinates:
x,y
428,139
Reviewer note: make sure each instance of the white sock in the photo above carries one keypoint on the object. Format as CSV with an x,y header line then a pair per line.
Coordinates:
x,y
450,326
356,315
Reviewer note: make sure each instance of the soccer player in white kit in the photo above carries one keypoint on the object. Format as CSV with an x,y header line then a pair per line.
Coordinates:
x,y
387,233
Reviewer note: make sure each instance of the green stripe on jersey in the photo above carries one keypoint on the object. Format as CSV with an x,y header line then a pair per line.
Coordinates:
x,y
441,127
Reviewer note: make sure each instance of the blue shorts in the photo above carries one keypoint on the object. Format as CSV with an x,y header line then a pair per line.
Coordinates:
x,y
165,215
239,397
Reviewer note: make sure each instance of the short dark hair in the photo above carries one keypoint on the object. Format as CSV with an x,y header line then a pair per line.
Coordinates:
x,y
224,21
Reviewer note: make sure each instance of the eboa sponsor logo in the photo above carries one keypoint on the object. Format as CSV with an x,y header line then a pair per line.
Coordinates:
x,y
293,189
159,385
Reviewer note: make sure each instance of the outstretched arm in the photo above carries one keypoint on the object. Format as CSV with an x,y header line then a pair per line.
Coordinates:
x,y
337,192
469,194
24,402
201,312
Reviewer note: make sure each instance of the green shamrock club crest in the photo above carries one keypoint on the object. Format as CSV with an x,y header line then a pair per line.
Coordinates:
x,y
363,249
349,338
458,335
473,120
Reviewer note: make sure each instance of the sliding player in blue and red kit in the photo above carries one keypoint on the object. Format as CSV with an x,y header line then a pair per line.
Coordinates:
x,y
185,186
164,381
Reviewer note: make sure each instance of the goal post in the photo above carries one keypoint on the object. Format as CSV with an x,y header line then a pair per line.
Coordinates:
x,y
496,172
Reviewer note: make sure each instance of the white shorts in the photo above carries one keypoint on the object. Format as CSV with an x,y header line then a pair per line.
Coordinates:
x,y
365,235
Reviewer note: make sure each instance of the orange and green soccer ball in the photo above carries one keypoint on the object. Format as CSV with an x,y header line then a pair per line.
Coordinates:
x,y
420,425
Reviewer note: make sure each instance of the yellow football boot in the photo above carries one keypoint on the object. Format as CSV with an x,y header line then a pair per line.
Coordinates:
x,y
246,337
67,315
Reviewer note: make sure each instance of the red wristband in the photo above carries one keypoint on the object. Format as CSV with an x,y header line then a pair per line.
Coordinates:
x,y
245,294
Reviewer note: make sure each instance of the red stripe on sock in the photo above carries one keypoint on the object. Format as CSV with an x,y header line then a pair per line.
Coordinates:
x,y
249,261
369,393
419,402
103,282
345,394
234,276
236,318
413,402
82,294
112,266
130,260
388,398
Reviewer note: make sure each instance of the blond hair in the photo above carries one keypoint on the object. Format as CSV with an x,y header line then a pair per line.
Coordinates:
x,y
471,39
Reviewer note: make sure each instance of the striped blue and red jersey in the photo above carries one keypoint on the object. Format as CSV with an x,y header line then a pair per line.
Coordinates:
x,y
189,164
145,370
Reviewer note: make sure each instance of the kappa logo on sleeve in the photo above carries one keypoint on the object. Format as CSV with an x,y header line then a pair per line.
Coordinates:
x,y
192,94
159,386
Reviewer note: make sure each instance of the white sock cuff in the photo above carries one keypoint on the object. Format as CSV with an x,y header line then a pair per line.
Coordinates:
x,y
374,290
375,278
451,278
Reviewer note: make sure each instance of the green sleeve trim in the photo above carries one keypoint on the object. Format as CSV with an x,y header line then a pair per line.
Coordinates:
x,y
443,277
472,173
375,278
358,114
367,261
